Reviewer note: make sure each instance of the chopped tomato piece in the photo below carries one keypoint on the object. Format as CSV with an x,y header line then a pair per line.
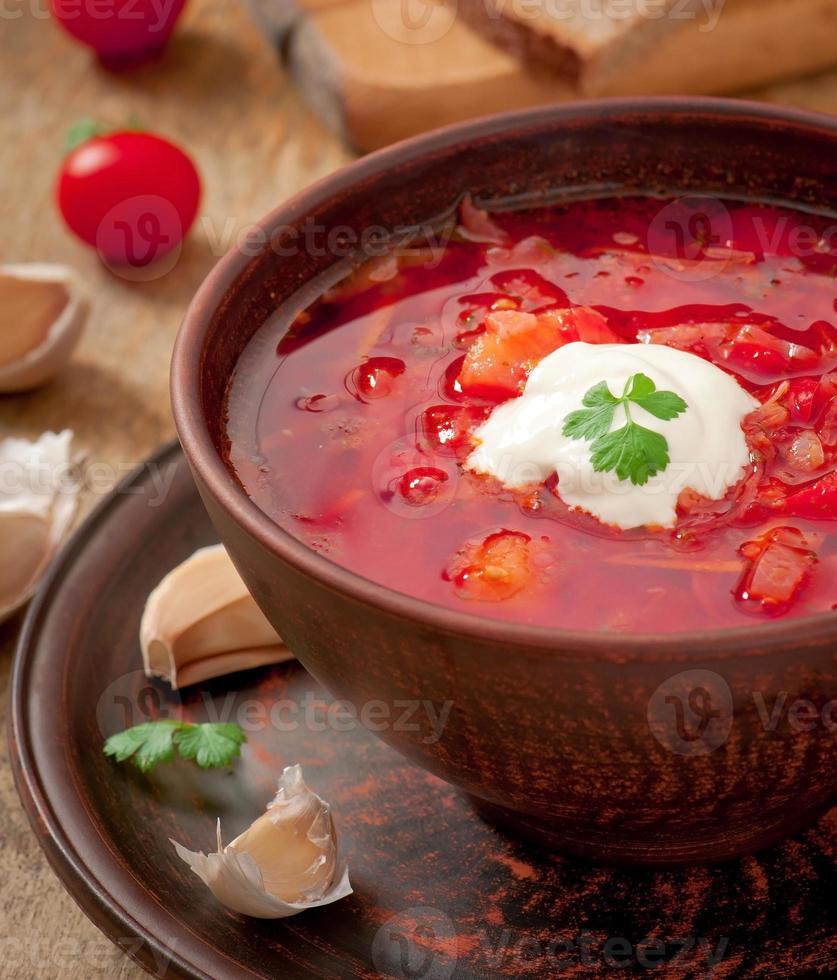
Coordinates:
x,y
780,562
500,360
470,320
493,569
446,429
816,501
585,324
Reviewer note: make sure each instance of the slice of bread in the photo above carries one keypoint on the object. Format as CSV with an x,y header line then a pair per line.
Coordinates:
x,y
752,43
375,74
584,42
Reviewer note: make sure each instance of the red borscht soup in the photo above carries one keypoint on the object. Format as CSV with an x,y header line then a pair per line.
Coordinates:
x,y
356,426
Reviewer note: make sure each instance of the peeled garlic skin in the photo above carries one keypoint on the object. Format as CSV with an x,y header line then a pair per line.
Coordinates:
x,y
285,862
43,362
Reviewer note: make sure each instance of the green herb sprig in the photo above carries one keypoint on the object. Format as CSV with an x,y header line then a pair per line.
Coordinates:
x,y
633,452
212,745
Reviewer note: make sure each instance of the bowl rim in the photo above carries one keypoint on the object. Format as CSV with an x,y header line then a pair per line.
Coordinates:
x,y
212,471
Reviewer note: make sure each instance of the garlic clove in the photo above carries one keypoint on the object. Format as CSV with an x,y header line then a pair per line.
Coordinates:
x,y
42,313
26,538
38,502
287,861
201,622
297,825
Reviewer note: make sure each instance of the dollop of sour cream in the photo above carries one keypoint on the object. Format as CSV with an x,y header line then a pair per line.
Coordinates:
x,y
522,442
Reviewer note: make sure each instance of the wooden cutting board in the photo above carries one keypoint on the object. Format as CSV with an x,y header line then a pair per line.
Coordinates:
x,y
380,70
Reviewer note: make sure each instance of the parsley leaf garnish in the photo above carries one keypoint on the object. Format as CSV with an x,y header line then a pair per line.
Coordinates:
x,y
633,452
596,418
212,745
665,405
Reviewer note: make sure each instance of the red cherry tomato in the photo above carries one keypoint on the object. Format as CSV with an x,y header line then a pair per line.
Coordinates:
x,y
131,195
123,33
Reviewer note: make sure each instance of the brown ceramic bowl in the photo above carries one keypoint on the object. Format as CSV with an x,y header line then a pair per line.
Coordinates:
x,y
640,748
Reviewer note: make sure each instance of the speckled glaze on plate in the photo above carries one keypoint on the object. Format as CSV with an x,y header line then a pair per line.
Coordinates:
x,y
438,892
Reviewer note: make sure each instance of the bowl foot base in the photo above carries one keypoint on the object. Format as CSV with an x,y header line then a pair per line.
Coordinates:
x,y
603,847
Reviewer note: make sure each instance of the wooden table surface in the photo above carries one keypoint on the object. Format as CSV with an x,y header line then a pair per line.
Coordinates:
x,y
220,92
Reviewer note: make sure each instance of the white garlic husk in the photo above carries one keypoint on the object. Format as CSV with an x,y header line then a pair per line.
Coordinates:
x,y
287,861
201,622
39,490
43,309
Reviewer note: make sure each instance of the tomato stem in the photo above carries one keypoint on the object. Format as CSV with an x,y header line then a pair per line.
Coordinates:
x,y
82,131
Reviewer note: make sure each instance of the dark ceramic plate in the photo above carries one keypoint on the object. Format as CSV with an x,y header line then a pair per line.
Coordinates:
x,y
438,893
